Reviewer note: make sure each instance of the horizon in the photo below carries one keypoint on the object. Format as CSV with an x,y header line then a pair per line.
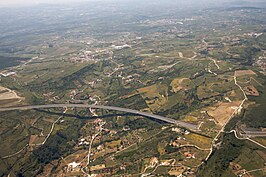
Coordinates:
x,y
27,3
32,2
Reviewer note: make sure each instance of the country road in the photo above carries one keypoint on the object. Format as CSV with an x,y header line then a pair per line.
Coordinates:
x,y
239,108
161,118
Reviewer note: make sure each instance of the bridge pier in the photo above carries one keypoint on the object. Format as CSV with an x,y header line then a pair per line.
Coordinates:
x,y
75,112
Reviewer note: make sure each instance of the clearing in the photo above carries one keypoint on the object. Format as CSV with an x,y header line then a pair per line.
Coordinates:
x,y
221,112
155,96
8,97
180,84
244,72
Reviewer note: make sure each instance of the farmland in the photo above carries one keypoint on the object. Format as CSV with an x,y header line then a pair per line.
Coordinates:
x,y
205,68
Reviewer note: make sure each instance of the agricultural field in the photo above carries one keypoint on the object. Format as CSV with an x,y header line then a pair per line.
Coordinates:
x,y
9,97
193,78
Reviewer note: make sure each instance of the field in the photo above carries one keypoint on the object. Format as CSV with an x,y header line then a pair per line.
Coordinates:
x,y
11,61
221,112
201,64
180,84
199,140
9,97
244,72
155,96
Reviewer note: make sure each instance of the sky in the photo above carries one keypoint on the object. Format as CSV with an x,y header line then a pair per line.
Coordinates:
x,y
30,2
27,2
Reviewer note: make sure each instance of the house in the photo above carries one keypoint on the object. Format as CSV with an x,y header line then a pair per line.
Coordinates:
x,y
72,166
178,130
189,155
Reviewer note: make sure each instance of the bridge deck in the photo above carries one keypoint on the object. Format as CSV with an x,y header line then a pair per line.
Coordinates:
x,y
165,119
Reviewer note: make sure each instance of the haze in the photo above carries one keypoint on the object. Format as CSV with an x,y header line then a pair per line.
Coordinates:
x,y
27,2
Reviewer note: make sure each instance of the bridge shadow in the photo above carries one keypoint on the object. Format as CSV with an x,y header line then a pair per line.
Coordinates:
x,y
96,117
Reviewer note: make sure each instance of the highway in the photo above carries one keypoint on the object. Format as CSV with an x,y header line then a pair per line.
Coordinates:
x,y
161,118
253,134
246,138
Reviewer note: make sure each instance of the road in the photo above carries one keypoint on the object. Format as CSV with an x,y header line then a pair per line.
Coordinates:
x,y
157,117
52,128
260,169
239,108
92,139
253,134
240,138
12,155
215,62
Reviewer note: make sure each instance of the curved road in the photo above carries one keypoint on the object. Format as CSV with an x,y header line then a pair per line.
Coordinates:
x,y
165,119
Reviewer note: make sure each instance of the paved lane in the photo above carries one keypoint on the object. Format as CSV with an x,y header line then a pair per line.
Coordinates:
x,y
165,119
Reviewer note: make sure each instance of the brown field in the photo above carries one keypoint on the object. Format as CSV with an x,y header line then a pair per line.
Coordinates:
x,y
177,171
31,120
190,118
8,97
9,102
113,144
180,84
262,155
6,93
205,91
128,96
198,140
155,95
188,53
79,157
35,139
251,90
236,168
161,147
199,155
221,112
98,167
261,140
2,89
244,72
50,120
